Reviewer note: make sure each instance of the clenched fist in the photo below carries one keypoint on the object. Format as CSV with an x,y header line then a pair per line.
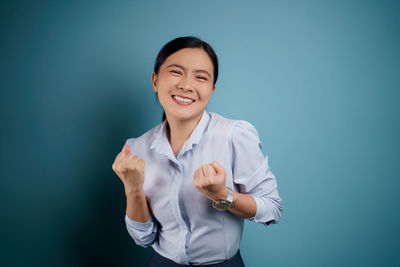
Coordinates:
x,y
209,179
130,169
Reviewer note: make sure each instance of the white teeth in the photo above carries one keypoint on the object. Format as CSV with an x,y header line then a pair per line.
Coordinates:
x,y
182,99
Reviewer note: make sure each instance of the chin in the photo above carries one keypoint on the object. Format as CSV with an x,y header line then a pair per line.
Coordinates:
x,y
186,115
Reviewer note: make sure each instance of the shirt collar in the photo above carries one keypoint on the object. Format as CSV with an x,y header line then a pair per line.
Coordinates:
x,y
161,144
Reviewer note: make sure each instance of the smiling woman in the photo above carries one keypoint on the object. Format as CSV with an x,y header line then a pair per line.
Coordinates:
x,y
184,91
185,43
191,180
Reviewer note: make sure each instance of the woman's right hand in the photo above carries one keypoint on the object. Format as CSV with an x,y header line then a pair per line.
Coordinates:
x,y
130,169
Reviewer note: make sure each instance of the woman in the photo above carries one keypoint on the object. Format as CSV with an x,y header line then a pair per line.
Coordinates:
x,y
191,180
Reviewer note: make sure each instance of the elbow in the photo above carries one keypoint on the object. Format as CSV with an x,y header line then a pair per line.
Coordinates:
x,y
269,210
143,239
276,209
144,234
145,242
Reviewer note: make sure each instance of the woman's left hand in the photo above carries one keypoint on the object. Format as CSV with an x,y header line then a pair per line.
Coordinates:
x,y
209,179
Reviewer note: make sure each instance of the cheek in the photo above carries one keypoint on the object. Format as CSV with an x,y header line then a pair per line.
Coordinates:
x,y
166,79
205,92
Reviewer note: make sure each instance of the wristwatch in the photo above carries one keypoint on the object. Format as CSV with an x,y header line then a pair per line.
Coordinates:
x,y
225,204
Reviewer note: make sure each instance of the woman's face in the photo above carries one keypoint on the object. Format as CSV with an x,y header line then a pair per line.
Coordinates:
x,y
185,83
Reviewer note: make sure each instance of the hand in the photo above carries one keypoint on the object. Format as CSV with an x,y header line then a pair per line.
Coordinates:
x,y
130,169
210,179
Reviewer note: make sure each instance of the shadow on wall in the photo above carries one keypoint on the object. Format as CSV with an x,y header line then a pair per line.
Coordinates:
x,y
99,237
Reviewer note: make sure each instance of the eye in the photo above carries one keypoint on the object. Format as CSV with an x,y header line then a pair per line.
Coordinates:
x,y
175,71
202,78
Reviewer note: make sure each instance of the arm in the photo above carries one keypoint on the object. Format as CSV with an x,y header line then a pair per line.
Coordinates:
x,y
136,205
251,172
139,222
258,199
243,205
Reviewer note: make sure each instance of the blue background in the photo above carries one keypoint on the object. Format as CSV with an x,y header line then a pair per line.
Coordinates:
x,y
318,79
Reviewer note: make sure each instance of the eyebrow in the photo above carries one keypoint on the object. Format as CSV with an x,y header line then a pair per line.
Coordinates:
x,y
182,67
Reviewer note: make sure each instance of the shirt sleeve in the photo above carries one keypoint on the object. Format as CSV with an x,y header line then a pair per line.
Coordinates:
x,y
143,233
252,173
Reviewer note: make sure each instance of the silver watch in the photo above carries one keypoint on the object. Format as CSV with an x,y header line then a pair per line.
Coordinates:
x,y
225,204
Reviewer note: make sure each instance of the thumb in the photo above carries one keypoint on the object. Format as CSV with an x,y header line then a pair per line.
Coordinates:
x,y
217,167
127,149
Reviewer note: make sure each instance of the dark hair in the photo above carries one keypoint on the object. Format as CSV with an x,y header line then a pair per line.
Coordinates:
x,y
185,42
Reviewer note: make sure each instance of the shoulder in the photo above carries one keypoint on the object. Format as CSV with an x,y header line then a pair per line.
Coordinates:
x,y
245,128
218,121
244,134
235,126
235,130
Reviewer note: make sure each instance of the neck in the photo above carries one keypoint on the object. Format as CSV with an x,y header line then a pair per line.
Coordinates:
x,y
178,131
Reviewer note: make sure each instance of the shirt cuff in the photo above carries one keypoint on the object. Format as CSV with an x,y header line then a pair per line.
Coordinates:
x,y
264,212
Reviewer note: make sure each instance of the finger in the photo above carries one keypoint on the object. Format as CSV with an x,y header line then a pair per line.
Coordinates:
x,y
135,162
202,172
121,155
124,160
117,159
127,149
209,171
209,174
212,169
201,177
217,167
195,178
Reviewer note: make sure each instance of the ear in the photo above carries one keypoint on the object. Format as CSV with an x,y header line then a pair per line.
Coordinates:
x,y
154,82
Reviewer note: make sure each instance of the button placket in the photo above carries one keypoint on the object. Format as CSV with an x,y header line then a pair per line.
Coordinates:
x,y
176,205
183,214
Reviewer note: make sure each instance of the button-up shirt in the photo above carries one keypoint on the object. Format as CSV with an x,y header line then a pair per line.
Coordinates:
x,y
183,225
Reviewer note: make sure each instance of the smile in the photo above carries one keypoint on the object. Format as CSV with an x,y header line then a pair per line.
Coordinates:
x,y
182,99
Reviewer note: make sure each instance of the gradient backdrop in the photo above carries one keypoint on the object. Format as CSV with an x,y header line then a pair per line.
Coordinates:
x,y
320,80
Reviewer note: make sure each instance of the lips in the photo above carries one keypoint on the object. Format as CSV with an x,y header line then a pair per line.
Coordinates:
x,y
184,97
182,101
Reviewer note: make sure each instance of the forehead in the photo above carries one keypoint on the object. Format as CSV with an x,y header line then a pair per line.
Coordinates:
x,y
191,58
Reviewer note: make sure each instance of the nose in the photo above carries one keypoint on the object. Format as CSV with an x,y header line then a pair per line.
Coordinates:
x,y
185,84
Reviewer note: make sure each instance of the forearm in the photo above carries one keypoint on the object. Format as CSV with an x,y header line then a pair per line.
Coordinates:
x,y
136,205
243,205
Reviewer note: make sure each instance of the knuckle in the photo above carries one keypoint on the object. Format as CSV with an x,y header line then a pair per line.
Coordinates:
x,y
120,168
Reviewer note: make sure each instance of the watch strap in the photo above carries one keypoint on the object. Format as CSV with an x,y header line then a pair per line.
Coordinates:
x,y
225,204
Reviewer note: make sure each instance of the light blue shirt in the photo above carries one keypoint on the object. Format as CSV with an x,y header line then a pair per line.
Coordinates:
x,y
184,226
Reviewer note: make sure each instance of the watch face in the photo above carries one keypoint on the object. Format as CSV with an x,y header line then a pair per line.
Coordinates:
x,y
223,205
